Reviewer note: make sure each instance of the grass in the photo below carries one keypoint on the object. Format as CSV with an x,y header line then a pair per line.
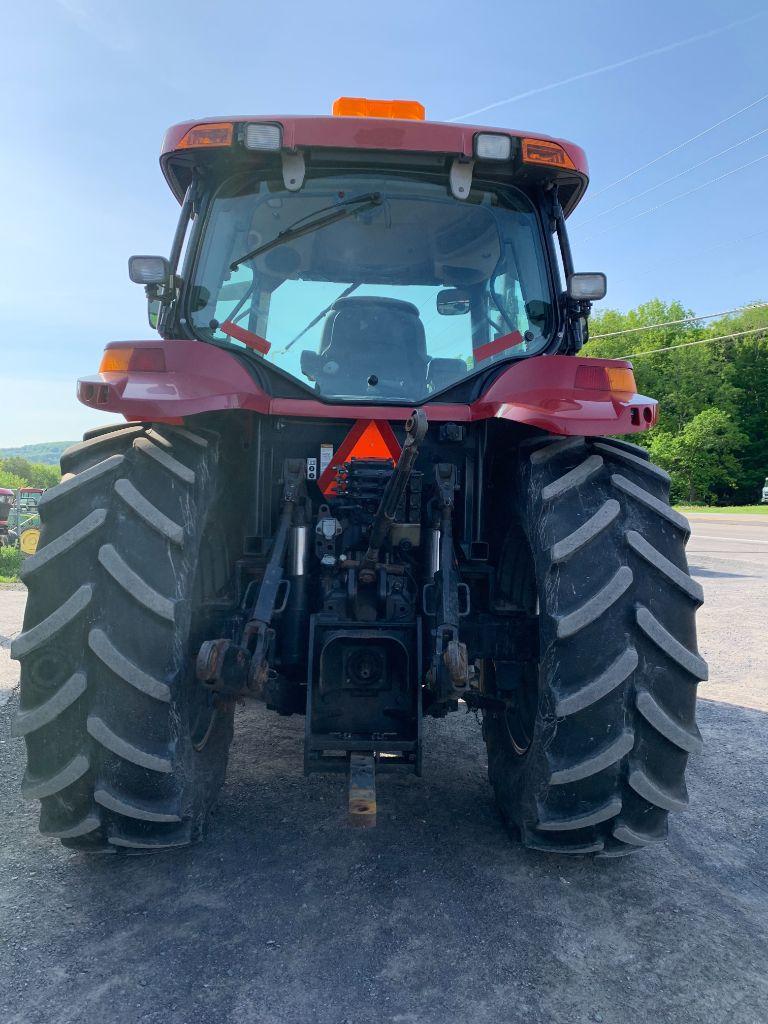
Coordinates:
x,y
10,563
752,510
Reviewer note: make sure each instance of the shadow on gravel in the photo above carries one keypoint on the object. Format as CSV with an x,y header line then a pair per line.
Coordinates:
x,y
288,916
695,570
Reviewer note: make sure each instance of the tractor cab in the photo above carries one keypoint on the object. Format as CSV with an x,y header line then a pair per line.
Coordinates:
x,y
28,498
370,256
361,307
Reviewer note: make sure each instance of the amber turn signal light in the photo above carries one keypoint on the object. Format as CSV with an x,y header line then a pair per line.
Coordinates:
x,y
605,378
126,358
207,135
621,378
539,151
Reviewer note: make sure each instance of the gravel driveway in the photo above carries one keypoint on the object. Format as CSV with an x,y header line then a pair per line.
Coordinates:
x,y
287,916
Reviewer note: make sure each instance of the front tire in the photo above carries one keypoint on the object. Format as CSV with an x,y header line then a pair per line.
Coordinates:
x,y
601,555
125,750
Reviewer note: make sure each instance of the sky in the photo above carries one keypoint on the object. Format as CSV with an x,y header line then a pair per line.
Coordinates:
x,y
88,87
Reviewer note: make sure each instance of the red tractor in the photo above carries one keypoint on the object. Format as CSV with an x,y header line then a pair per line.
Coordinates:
x,y
6,501
366,477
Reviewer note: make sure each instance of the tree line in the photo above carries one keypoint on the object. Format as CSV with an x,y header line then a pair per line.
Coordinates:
x,y
17,472
712,434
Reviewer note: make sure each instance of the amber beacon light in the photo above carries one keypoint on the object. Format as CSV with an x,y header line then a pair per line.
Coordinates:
x,y
357,106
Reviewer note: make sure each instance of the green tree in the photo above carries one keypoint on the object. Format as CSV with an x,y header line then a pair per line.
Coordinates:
x,y
41,475
748,357
702,457
31,474
11,480
730,376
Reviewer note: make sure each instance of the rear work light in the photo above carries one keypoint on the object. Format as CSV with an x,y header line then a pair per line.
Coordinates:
x,y
149,270
605,378
127,358
589,286
262,136
539,151
207,135
490,146
358,106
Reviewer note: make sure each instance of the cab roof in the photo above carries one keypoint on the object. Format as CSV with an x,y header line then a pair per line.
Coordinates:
x,y
383,134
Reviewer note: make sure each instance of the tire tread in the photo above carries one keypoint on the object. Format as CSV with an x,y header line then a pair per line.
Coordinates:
x,y
618,666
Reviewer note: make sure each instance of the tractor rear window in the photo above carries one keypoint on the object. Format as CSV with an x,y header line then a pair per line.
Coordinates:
x,y
372,287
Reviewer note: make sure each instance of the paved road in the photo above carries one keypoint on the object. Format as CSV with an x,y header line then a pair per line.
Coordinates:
x,y
736,537
286,916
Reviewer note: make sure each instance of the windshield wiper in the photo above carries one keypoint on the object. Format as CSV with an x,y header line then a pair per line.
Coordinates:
x,y
346,208
316,319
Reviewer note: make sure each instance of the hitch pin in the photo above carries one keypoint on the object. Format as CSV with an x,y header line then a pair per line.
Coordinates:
x,y
362,790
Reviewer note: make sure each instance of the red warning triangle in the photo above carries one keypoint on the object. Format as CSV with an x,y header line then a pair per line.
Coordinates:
x,y
368,439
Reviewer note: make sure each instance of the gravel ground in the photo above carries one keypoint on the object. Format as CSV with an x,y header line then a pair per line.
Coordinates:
x,y
13,597
287,916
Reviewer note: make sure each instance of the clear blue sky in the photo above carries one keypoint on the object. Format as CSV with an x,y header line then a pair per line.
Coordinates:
x,y
87,88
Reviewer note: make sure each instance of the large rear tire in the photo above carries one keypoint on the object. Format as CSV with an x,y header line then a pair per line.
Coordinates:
x,y
125,750
598,554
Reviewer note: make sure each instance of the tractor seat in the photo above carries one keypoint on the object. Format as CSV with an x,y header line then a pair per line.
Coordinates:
x,y
367,338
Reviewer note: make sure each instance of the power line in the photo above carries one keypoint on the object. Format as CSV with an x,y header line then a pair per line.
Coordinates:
x,y
675,149
689,344
685,320
682,195
694,167
610,67
687,257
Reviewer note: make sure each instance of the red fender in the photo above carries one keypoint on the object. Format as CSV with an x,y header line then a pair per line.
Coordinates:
x,y
547,392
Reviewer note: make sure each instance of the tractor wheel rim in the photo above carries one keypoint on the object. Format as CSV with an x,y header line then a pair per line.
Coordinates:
x,y
200,736
519,718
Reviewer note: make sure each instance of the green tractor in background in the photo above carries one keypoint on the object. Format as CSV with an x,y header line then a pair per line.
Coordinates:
x,y
22,528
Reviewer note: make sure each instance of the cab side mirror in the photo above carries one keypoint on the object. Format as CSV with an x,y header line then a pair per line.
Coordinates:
x,y
149,270
453,301
590,287
154,272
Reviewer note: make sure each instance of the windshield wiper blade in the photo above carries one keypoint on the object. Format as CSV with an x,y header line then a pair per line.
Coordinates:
x,y
346,208
316,319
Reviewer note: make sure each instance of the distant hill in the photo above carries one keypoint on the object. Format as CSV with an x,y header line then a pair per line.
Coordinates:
x,y
48,453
